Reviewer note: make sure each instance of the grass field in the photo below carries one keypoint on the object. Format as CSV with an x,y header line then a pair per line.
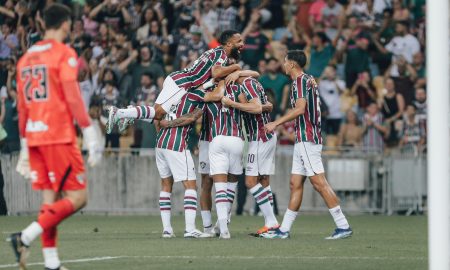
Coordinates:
x,y
97,242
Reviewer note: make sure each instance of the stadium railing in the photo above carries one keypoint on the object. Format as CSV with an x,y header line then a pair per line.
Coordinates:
x,y
127,182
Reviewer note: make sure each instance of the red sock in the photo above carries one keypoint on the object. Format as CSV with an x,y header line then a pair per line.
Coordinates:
x,y
48,237
53,214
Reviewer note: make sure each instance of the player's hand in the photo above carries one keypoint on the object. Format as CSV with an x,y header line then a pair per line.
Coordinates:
x,y
93,140
270,127
226,101
163,123
232,78
269,107
23,164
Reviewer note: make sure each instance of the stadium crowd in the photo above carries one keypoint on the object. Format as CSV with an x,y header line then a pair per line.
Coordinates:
x,y
367,56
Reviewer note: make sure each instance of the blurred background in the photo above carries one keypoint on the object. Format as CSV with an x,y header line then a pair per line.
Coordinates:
x,y
367,56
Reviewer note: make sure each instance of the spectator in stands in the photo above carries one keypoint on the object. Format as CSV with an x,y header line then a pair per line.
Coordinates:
x,y
420,103
330,89
86,87
353,45
392,107
299,39
401,13
350,133
195,46
112,12
374,129
322,52
147,95
98,122
255,41
364,91
315,13
89,25
413,131
8,114
105,36
136,14
419,67
157,39
143,65
209,15
274,79
404,76
332,14
383,36
8,40
228,16
143,31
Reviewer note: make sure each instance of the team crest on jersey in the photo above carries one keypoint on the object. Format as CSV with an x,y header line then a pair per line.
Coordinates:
x,y
202,165
72,62
173,108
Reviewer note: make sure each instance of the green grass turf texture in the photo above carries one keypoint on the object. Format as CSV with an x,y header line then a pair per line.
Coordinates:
x,y
134,242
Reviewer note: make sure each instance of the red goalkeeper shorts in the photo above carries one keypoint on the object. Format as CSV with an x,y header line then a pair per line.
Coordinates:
x,y
58,167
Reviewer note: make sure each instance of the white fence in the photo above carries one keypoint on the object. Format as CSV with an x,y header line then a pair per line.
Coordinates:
x,y
130,184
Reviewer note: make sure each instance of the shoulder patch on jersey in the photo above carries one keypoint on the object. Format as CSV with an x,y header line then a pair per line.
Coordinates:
x,y
72,62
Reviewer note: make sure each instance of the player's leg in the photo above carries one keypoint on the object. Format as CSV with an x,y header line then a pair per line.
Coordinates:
x,y
165,200
219,165
264,180
165,206
206,186
312,155
231,192
266,164
234,147
190,209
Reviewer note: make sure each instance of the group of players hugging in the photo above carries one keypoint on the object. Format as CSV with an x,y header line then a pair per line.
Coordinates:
x,y
215,88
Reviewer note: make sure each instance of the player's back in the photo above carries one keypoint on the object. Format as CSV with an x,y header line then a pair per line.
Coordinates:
x,y
40,74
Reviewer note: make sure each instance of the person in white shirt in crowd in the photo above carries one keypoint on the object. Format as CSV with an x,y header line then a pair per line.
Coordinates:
x,y
330,89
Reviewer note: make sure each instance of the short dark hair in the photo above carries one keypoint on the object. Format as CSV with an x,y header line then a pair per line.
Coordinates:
x,y
226,35
298,56
55,15
148,74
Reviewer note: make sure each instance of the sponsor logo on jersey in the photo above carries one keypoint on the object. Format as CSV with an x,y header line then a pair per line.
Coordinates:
x,y
36,126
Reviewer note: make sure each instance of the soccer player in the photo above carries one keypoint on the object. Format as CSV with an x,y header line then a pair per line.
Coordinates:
x,y
175,162
262,144
49,100
211,64
307,160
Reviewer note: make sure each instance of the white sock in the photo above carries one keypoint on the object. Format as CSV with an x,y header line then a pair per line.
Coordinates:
x,y
231,194
206,218
138,112
31,232
269,193
262,199
222,206
339,218
51,258
289,218
165,206
190,209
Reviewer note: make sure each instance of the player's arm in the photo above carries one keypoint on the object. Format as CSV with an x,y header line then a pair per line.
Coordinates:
x,y
216,94
268,107
184,120
300,106
253,106
218,71
240,75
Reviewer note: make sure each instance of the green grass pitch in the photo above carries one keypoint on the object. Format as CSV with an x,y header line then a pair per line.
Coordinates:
x,y
134,242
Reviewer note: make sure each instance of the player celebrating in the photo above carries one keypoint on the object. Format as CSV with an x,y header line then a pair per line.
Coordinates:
x,y
262,144
48,101
307,160
211,64
175,162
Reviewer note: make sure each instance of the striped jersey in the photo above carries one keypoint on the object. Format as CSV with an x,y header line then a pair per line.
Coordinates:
x,y
200,71
308,125
175,138
225,121
254,123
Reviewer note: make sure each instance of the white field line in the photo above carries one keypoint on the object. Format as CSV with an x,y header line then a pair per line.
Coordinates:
x,y
2,266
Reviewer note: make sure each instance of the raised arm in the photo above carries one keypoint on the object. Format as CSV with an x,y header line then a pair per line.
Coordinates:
x,y
221,72
216,94
240,76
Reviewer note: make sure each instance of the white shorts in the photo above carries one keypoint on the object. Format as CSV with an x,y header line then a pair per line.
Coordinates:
x,y
203,157
180,165
261,157
225,155
170,95
307,159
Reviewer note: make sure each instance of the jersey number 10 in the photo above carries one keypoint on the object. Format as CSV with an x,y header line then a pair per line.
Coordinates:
x,y
35,82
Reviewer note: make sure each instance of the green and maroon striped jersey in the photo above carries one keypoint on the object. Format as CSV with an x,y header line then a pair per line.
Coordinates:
x,y
175,138
308,125
254,123
200,72
225,121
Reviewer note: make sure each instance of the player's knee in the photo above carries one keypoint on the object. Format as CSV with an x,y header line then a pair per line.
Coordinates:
x,y
190,184
319,186
78,198
250,182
